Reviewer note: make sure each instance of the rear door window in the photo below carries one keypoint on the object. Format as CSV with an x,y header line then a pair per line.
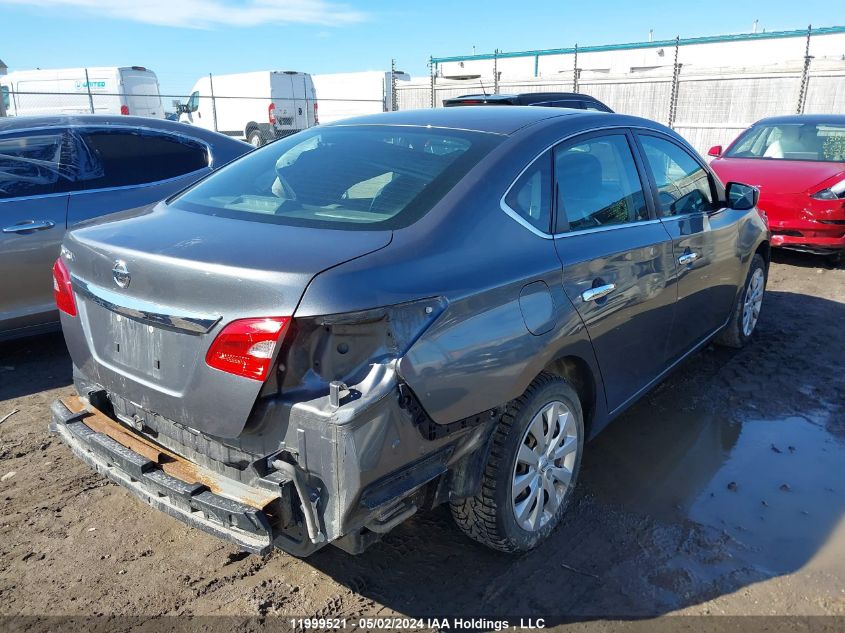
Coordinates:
x,y
598,184
121,158
683,185
31,164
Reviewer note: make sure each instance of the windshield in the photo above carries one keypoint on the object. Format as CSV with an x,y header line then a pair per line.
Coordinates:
x,y
821,142
355,177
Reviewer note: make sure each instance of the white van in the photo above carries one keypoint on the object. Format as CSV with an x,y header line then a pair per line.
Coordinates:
x,y
107,90
258,107
344,95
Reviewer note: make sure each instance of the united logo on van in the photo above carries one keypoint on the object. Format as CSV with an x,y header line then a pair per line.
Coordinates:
x,y
93,85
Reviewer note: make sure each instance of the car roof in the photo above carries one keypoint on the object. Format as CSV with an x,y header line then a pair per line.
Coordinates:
x,y
503,121
838,119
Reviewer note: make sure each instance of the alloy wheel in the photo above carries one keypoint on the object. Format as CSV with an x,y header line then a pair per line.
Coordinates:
x,y
543,471
753,301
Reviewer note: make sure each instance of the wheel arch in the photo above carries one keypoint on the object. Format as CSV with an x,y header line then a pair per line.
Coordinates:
x,y
578,373
764,249
465,476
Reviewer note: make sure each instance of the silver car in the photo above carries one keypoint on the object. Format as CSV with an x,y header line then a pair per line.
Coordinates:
x,y
58,171
371,318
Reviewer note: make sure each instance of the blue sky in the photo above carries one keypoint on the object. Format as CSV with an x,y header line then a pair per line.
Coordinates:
x,y
183,39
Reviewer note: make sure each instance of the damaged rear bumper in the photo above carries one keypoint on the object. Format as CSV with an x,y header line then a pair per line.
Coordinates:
x,y
342,476
194,502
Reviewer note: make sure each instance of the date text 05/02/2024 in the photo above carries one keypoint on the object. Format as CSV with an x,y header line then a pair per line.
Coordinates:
x,y
401,623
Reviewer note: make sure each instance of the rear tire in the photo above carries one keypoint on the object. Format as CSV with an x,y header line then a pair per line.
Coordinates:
x,y
255,139
531,469
746,312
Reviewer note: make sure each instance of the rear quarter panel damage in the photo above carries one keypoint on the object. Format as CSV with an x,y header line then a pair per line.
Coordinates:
x,y
480,352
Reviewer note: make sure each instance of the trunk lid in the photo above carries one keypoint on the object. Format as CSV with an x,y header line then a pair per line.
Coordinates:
x,y
188,276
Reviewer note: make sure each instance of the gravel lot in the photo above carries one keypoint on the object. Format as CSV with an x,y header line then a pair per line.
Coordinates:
x,y
720,493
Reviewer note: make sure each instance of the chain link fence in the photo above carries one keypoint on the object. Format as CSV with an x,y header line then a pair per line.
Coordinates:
x,y
241,113
706,106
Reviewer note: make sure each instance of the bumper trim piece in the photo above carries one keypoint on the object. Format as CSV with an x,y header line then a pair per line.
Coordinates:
x,y
246,526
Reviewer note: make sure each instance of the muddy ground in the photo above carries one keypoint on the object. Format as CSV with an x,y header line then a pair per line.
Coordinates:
x,y
720,493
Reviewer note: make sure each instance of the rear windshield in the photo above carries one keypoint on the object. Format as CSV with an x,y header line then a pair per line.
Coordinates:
x,y
820,142
350,177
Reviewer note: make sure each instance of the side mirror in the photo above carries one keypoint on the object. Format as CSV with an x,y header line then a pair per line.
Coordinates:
x,y
716,151
741,197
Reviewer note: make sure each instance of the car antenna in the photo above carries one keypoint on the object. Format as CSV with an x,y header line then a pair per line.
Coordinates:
x,y
483,89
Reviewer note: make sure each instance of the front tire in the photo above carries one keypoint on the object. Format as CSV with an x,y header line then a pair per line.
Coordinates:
x,y
746,311
531,470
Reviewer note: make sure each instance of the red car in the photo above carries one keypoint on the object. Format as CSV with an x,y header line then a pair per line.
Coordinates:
x,y
798,164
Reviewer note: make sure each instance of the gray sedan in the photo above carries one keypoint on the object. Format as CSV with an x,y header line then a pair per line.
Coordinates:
x,y
371,318
58,171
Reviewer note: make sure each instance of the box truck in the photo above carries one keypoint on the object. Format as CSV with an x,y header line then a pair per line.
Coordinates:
x,y
105,90
257,107
344,95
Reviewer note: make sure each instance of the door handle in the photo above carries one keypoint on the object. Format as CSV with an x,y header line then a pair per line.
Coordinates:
x,y
597,293
687,258
32,225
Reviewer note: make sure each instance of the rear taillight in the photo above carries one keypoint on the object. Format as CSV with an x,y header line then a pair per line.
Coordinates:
x,y
62,290
316,118
245,347
271,110
124,109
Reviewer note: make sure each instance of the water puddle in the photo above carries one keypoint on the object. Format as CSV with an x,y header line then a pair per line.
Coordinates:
x,y
775,485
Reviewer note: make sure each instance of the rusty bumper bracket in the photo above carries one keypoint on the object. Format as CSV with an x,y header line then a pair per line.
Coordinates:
x,y
158,477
